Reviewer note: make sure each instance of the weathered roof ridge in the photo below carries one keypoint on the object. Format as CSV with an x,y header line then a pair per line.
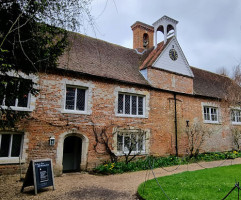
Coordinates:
x,y
97,39
210,72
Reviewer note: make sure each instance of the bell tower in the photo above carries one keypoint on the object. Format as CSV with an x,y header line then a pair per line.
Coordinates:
x,y
142,36
167,26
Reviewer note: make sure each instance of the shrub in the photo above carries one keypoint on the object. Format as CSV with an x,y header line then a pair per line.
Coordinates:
x,y
156,162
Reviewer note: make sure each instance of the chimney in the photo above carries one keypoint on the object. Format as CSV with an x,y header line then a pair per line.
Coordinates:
x,y
142,36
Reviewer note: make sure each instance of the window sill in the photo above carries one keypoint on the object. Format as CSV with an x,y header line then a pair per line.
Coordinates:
x,y
5,160
236,123
131,116
18,108
74,112
132,153
212,122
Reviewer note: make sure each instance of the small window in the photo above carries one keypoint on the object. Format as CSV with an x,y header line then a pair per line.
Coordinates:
x,y
210,114
236,116
130,105
10,145
131,142
75,99
15,95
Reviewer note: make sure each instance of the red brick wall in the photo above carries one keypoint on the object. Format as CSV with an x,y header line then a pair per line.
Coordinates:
x,y
138,32
170,81
47,119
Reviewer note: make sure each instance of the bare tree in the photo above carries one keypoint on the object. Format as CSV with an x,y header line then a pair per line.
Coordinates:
x,y
131,142
196,134
104,139
222,71
236,133
237,75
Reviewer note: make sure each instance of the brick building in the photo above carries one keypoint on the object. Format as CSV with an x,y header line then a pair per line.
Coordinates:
x,y
149,89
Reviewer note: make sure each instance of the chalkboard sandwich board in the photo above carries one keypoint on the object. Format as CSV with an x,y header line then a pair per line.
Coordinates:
x,y
39,174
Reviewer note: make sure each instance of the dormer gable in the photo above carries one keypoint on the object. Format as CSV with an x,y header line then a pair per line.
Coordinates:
x,y
172,59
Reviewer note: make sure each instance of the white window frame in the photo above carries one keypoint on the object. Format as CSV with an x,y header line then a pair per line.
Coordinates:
x,y
31,98
210,115
86,100
131,95
132,152
235,110
16,107
9,158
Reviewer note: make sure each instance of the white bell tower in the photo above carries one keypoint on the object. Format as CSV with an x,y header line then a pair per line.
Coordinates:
x,y
167,26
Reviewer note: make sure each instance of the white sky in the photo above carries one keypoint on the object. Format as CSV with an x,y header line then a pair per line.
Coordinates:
x,y
209,31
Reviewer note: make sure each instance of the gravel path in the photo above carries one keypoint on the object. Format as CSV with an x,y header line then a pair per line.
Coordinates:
x,y
86,186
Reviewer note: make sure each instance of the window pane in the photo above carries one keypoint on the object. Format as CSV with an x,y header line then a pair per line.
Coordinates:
x,y
214,114
2,92
238,115
233,115
119,142
16,145
206,113
5,142
133,105
70,97
140,105
1,101
133,142
80,101
126,143
23,99
120,103
127,104
141,142
11,94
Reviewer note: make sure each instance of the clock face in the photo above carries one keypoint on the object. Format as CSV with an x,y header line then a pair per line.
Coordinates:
x,y
173,54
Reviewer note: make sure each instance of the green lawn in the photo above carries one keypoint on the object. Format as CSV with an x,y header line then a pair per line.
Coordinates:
x,y
209,184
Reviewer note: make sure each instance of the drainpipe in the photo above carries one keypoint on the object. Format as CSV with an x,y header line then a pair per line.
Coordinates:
x,y
175,121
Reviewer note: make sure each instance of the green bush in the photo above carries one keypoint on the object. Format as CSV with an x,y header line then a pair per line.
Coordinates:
x,y
156,162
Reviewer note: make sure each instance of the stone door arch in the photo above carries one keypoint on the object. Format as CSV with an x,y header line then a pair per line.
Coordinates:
x,y
60,149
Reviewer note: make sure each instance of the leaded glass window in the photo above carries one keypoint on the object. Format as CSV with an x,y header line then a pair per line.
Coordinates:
x,y
14,94
236,116
210,114
130,104
75,99
131,142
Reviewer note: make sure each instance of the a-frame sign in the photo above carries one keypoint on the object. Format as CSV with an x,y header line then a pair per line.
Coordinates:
x,y
39,174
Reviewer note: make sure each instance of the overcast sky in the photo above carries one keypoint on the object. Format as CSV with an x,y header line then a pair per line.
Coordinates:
x,y
209,31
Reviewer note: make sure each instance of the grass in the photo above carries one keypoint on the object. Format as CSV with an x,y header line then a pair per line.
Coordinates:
x,y
207,184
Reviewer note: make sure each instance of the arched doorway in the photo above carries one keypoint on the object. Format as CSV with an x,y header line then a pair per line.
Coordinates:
x,y
72,153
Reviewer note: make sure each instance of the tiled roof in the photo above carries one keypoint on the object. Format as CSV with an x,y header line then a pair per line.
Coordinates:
x,y
209,84
100,58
